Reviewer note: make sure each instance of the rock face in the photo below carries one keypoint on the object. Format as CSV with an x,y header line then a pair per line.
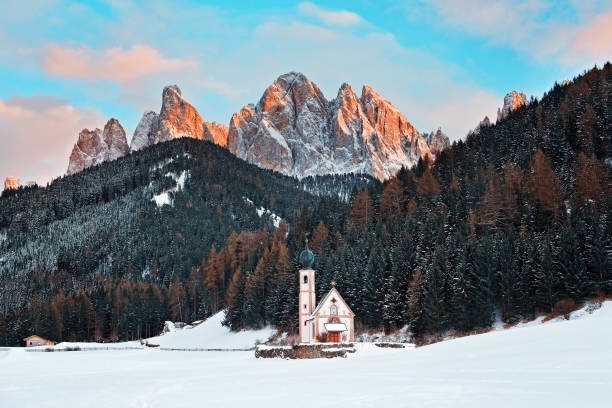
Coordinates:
x,y
512,101
216,132
483,123
293,129
177,117
437,141
11,183
146,131
97,146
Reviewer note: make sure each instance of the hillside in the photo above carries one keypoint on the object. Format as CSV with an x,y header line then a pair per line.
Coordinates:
x,y
105,252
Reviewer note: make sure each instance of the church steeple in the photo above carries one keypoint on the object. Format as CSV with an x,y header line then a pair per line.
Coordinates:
x,y
307,257
307,295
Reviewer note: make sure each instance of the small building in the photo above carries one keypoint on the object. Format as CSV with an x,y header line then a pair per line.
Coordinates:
x,y
332,320
35,340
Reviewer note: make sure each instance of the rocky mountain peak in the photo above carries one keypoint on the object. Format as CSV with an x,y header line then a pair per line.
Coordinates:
x,y
486,122
171,89
178,118
294,129
437,141
97,146
11,183
146,131
114,137
216,132
512,101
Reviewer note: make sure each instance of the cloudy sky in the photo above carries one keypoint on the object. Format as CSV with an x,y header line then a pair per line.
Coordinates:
x,y
70,65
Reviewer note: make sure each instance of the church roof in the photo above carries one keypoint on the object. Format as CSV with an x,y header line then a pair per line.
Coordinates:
x,y
322,302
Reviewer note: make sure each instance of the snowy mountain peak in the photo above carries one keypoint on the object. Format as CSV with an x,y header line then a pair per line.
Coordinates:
x,y
11,183
178,118
216,132
172,89
97,146
146,131
294,129
512,101
437,141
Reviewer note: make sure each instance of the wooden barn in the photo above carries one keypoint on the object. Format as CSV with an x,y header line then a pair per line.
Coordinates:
x,y
35,340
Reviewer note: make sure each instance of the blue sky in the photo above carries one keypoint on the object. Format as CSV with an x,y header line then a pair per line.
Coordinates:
x,y
69,65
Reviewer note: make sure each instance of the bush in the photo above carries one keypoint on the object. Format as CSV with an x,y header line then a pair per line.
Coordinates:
x,y
563,308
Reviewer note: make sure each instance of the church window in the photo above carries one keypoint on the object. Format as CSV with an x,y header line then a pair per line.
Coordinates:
x,y
305,279
334,309
304,305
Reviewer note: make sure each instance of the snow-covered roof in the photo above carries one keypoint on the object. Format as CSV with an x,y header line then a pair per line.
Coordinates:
x,y
322,302
335,327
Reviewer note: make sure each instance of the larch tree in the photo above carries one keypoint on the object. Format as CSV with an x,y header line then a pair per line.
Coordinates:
x,y
362,211
428,186
319,236
543,186
592,181
393,199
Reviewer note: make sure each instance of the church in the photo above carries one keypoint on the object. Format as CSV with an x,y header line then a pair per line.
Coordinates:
x,y
331,321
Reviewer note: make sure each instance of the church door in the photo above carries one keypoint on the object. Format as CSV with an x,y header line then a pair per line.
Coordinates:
x,y
334,337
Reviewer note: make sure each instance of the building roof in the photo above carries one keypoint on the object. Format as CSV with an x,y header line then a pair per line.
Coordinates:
x,y
307,257
335,327
35,336
334,291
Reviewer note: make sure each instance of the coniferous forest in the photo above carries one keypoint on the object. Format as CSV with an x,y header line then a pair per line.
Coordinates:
x,y
513,222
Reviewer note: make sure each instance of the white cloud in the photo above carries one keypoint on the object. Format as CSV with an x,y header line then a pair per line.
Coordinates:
x,y
506,21
112,63
341,17
37,134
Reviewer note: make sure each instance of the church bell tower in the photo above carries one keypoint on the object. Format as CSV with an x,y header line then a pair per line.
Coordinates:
x,y
307,292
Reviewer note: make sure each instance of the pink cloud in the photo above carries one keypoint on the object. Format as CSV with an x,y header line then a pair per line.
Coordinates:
x,y
114,64
37,134
594,40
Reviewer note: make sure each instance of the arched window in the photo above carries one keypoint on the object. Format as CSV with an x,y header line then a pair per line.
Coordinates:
x,y
305,278
334,310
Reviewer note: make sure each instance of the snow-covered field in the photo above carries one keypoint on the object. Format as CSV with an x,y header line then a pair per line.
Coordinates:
x,y
556,364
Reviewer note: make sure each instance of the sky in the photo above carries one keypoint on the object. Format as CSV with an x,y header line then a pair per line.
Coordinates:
x,y
69,65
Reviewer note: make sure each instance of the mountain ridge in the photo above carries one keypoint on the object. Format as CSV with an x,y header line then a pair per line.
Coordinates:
x,y
292,129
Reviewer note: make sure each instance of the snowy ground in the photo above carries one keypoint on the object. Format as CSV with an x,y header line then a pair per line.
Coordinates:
x,y
556,364
208,335
212,335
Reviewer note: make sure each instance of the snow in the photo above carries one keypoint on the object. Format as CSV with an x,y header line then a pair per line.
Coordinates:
x,y
164,198
276,135
276,220
561,363
331,327
211,334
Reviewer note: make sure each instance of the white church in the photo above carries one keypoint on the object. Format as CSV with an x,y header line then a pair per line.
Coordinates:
x,y
331,320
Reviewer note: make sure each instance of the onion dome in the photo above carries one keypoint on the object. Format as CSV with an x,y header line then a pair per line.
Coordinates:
x,y
307,257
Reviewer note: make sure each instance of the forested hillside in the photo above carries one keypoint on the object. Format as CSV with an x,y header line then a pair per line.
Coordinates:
x,y
504,225
112,251
513,222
